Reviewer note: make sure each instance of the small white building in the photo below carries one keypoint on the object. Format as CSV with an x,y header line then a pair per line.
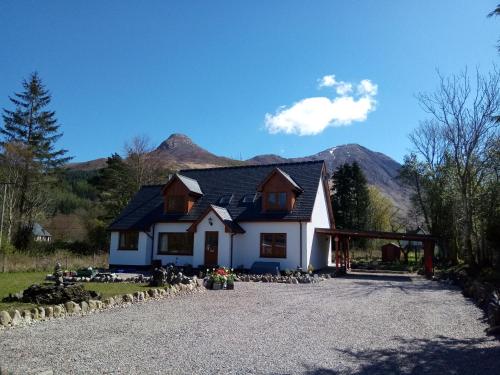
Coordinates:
x,y
232,216
40,234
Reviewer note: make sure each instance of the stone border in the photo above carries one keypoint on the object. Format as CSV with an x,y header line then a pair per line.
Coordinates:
x,y
18,318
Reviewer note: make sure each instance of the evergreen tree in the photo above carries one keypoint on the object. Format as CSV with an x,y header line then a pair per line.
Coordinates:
x,y
32,128
116,185
350,197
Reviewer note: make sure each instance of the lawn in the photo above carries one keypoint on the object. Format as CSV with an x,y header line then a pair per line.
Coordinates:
x,y
13,282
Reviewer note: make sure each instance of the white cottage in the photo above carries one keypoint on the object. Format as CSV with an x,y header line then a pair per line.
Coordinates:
x,y
232,216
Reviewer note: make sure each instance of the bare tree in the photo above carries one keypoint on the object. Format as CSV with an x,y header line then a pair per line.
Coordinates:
x,y
463,113
145,166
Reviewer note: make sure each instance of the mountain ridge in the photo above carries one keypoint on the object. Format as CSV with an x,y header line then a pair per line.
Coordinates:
x,y
179,151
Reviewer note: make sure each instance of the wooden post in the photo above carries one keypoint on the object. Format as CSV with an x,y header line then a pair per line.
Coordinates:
x,y
336,240
428,255
348,259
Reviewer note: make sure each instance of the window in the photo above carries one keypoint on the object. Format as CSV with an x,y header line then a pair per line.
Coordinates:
x,y
176,203
249,198
273,245
225,200
276,200
175,243
128,240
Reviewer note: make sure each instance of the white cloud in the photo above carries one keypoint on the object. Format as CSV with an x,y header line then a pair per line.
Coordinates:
x,y
327,81
311,116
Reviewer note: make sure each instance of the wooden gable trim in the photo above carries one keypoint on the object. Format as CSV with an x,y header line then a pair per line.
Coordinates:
x,y
272,174
326,193
227,228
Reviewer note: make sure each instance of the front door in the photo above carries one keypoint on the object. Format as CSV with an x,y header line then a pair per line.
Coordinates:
x,y
211,248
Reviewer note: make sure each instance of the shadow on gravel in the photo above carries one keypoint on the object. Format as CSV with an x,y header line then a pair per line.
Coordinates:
x,y
417,356
378,277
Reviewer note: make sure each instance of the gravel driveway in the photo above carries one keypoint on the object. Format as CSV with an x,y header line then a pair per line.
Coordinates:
x,y
357,325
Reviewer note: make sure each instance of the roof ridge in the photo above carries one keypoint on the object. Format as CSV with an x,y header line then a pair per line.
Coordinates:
x,y
254,165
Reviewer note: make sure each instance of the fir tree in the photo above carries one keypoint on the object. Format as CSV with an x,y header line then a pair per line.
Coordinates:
x,y
32,128
350,197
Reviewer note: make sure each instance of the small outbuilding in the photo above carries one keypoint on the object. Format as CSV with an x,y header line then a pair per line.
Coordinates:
x,y
391,252
40,233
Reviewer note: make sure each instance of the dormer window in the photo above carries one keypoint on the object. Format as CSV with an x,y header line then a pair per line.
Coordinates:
x,y
276,201
175,203
180,194
279,191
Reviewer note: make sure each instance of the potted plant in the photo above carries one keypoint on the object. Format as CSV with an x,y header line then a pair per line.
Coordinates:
x,y
218,282
220,278
230,282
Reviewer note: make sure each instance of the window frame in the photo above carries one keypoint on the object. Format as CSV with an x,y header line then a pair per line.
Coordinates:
x,y
273,242
276,206
124,233
176,210
169,252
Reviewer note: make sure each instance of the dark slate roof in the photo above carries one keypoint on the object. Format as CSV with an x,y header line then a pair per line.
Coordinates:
x,y
146,207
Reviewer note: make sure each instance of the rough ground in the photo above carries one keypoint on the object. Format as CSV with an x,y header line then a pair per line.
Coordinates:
x,y
358,325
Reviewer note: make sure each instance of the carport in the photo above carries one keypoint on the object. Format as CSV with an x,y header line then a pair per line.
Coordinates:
x,y
341,238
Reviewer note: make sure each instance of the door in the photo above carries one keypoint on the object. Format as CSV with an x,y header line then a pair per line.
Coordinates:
x,y
211,248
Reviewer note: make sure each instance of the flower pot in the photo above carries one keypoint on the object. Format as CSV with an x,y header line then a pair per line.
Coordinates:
x,y
217,286
230,286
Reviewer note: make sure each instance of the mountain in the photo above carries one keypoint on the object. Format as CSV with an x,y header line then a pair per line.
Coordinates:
x,y
266,159
379,169
178,151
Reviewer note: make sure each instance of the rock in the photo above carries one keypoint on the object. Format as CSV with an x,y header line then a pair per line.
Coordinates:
x,y
92,305
56,294
108,302
59,311
294,280
5,318
152,293
118,299
16,318
100,305
162,292
128,298
72,307
139,296
41,313
84,306
49,312
34,313
26,316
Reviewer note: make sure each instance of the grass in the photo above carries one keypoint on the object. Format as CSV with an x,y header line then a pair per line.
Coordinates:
x,y
13,282
25,262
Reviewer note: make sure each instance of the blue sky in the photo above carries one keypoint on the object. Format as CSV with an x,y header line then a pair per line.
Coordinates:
x,y
214,69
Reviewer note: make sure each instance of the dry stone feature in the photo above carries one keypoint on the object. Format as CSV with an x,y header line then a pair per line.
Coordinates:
x,y
69,308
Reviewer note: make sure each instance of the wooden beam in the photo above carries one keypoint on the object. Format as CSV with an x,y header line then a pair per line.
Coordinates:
x,y
375,234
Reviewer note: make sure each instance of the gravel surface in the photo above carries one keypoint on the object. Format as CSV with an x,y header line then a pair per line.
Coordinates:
x,y
363,324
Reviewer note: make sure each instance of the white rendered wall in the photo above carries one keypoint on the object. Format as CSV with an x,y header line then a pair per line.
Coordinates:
x,y
246,247
224,251
179,260
139,257
318,246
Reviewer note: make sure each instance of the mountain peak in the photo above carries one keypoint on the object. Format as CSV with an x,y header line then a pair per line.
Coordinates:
x,y
175,140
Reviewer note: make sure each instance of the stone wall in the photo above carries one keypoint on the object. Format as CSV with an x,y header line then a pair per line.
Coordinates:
x,y
37,314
